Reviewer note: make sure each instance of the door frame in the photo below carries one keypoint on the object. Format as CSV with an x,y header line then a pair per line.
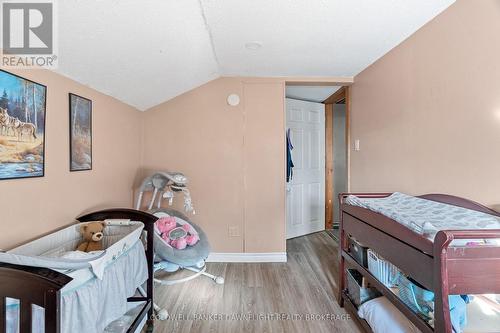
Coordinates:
x,y
346,88
319,222
341,94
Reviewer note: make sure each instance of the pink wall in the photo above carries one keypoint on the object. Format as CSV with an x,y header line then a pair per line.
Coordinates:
x,y
31,207
233,156
264,166
428,112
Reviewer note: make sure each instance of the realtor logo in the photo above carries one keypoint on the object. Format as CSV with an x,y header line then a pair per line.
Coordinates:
x,y
28,34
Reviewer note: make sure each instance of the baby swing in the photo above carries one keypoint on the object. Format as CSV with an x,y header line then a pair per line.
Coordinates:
x,y
164,185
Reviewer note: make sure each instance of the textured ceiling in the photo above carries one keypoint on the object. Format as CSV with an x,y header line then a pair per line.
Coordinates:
x,y
146,52
310,93
141,52
311,37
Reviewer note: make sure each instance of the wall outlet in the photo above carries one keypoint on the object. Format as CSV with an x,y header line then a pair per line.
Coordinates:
x,y
234,231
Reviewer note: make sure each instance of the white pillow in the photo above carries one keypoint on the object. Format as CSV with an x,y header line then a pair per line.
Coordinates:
x,y
384,317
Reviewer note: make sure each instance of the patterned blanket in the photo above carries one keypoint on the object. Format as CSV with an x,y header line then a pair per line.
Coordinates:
x,y
426,217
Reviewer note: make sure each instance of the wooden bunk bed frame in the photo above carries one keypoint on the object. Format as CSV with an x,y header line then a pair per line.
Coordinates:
x,y
41,286
438,267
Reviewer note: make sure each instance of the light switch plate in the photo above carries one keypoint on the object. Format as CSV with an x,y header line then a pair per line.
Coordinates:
x,y
234,231
357,145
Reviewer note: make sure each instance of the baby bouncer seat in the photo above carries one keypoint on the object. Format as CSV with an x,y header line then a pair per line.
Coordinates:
x,y
165,185
191,258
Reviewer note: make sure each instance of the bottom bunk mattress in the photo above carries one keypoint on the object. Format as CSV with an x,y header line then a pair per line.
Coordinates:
x,y
98,293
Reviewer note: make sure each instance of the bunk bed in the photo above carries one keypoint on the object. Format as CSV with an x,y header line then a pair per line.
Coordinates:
x,y
444,269
41,287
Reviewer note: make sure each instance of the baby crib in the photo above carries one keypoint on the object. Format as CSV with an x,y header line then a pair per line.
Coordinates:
x,y
52,294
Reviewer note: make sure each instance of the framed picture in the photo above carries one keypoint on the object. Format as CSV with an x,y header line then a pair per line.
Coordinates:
x,y
80,133
22,127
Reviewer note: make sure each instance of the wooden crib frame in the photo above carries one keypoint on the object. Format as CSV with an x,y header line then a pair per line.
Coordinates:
x,y
41,286
435,265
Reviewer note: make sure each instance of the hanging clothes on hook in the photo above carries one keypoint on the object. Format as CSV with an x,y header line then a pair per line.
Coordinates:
x,y
289,161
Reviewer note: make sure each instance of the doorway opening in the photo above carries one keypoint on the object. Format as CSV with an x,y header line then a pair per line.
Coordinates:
x,y
316,118
337,108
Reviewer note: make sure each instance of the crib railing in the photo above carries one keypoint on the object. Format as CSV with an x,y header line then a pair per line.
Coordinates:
x,y
29,287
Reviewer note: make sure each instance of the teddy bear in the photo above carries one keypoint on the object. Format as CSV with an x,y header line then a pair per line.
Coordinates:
x,y
177,237
92,233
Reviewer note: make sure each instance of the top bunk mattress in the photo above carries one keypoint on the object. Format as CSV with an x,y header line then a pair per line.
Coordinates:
x,y
427,217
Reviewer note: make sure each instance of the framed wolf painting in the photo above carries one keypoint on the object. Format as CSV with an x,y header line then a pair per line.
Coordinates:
x,y
22,127
80,133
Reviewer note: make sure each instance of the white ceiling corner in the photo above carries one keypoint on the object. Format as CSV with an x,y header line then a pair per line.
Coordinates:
x,y
147,52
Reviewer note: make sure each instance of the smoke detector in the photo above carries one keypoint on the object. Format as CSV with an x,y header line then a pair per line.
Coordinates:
x,y
233,99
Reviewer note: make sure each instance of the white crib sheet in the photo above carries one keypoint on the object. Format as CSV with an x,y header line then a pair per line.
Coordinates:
x,y
48,251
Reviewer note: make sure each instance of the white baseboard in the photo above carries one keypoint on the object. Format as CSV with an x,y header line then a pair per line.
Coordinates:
x,y
247,257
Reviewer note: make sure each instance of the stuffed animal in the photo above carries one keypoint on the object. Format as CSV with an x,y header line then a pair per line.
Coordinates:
x,y
92,233
192,238
165,225
177,237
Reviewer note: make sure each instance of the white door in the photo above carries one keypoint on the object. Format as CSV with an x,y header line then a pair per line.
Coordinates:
x,y
305,193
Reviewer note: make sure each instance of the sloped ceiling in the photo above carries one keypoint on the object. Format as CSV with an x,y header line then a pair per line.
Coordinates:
x,y
141,52
146,52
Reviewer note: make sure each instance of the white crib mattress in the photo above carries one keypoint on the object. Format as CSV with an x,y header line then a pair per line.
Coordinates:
x,y
49,251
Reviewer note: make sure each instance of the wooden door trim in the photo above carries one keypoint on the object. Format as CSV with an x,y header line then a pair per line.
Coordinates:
x,y
329,166
341,94
348,134
337,96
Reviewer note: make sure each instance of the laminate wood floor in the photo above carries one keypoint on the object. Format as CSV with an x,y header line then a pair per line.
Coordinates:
x,y
297,296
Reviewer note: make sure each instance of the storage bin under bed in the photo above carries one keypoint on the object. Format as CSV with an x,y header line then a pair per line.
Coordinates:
x,y
357,293
358,251
383,270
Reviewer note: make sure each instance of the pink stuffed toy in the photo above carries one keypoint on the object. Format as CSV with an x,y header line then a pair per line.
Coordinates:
x,y
166,225
192,238
179,244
